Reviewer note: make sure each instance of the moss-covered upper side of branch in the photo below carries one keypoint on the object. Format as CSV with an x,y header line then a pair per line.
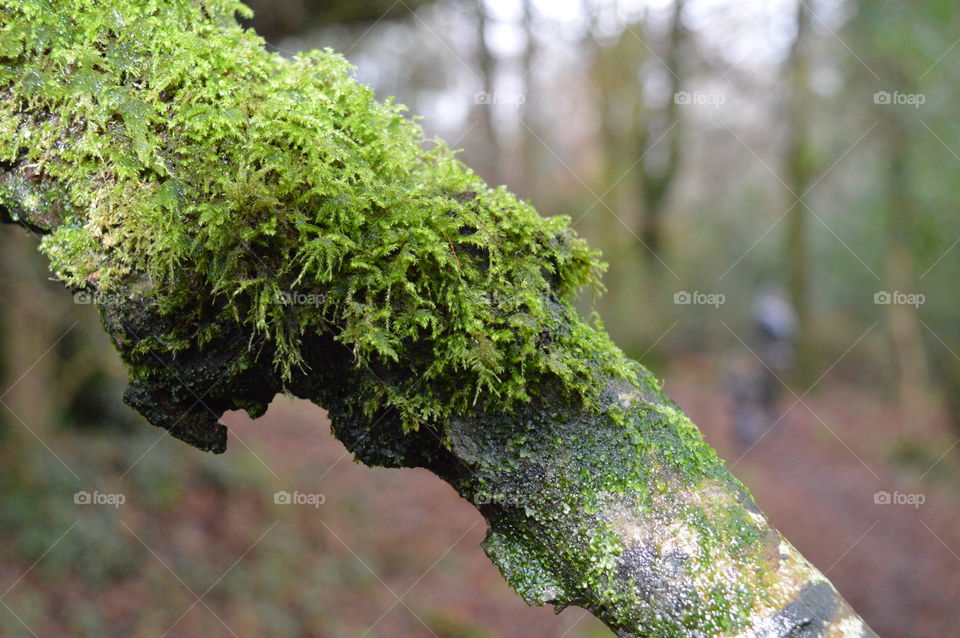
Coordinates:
x,y
200,167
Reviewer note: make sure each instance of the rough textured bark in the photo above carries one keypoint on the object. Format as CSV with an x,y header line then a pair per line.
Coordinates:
x,y
615,505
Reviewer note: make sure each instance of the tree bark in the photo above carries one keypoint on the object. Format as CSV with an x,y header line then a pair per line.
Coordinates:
x,y
619,507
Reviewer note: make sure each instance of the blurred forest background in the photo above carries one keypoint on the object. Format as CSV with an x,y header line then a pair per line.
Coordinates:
x,y
774,185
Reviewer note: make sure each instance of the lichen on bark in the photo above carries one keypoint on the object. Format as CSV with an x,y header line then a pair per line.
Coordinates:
x,y
253,225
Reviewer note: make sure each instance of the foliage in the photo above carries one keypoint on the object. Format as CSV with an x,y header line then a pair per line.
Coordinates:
x,y
195,160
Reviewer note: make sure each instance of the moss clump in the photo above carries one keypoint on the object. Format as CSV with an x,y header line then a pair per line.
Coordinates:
x,y
197,162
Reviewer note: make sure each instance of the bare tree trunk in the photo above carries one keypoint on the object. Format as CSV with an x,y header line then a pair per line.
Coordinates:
x,y
641,146
615,504
799,174
528,155
486,100
29,331
665,127
623,133
904,323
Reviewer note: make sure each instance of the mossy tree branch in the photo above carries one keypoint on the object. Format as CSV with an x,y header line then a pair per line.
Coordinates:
x,y
254,225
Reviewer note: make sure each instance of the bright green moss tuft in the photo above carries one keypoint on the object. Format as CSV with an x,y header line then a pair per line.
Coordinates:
x,y
197,161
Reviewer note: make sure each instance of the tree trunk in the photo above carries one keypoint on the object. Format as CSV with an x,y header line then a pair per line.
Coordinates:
x,y
905,331
29,330
528,153
656,181
799,175
486,100
610,501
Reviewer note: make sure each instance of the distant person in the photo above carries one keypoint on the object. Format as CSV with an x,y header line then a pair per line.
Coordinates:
x,y
755,385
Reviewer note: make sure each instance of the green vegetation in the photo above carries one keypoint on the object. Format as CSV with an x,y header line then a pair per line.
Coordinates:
x,y
635,490
225,195
195,160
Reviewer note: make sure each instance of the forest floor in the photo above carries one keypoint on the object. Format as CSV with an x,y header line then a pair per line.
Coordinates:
x,y
395,553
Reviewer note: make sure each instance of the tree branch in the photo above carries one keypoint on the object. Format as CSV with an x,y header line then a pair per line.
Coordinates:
x,y
191,180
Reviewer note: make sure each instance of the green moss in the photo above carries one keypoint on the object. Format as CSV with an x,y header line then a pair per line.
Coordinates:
x,y
626,512
234,197
198,159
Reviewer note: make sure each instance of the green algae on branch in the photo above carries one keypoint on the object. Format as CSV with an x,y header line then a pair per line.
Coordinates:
x,y
193,156
626,512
